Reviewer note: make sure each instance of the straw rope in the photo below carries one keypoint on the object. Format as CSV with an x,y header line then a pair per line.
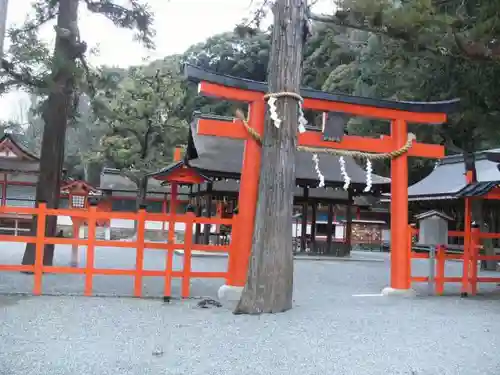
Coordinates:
x,y
352,153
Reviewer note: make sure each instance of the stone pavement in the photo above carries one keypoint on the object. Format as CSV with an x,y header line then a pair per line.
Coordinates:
x,y
339,325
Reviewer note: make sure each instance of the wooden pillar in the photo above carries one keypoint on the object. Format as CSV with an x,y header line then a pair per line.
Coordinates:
x,y
348,225
400,272
163,211
329,230
303,231
74,247
219,212
467,238
208,207
172,211
314,206
247,199
197,231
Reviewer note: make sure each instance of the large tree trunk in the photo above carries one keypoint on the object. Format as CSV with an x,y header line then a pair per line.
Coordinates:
x,y
56,113
143,191
269,285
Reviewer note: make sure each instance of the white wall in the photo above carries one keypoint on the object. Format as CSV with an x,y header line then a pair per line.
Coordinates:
x,y
180,227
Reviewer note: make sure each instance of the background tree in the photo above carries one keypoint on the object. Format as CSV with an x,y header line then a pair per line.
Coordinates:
x,y
242,53
141,122
60,76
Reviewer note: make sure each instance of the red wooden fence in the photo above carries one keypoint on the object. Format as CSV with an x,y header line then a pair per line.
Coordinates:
x,y
91,215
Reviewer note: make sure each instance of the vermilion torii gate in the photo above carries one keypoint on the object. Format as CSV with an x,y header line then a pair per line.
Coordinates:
x,y
398,113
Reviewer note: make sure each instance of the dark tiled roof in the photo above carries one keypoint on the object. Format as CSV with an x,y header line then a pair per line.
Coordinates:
x,y
165,172
477,189
448,177
219,156
232,186
111,179
196,74
432,213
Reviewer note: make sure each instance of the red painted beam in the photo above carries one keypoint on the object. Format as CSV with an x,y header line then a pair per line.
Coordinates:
x,y
229,93
242,95
211,127
375,112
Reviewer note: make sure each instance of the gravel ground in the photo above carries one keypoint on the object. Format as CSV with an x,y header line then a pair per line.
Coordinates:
x,y
329,331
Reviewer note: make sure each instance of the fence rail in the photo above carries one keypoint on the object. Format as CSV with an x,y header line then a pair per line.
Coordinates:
x,y
91,215
469,255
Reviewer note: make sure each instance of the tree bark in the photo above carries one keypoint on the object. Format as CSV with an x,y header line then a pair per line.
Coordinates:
x,y
143,191
56,114
269,286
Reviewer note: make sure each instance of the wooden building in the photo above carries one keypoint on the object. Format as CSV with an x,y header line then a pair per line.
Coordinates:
x,y
18,177
220,160
445,188
124,192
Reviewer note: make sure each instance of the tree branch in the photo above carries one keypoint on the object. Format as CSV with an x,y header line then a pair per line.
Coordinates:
x,y
468,49
139,17
43,13
124,131
20,77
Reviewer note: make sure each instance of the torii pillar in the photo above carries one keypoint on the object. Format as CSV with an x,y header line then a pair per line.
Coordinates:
x,y
398,113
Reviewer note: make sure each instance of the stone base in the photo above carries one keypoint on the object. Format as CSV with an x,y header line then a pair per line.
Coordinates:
x,y
230,293
398,292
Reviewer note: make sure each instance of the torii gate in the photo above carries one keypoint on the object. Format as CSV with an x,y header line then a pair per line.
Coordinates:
x,y
398,113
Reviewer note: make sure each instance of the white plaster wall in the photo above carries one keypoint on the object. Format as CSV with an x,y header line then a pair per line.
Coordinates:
x,y
180,227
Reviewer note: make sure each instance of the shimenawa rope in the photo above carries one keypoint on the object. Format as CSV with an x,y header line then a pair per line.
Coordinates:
x,y
273,110
355,154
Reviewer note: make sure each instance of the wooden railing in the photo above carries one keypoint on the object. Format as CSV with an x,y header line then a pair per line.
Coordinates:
x,y
469,255
91,215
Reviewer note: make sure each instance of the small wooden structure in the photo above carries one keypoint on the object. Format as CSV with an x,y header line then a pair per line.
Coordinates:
x,y
78,193
176,175
123,192
433,228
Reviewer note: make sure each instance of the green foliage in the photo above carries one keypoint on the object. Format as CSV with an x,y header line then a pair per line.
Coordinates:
x,y
139,115
241,55
32,65
419,50
424,50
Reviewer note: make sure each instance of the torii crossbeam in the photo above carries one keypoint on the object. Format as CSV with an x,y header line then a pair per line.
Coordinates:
x,y
398,113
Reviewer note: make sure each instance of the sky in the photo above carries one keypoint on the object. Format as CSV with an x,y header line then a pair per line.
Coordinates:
x,y
178,23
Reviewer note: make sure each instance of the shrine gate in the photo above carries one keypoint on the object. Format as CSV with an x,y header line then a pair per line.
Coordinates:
x,y
398,113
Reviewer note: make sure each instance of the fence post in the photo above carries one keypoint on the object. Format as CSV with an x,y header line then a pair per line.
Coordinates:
x,y
466,258
90,253
39,247
410,251
139,257
188,242
169,261
232,258
474,249
440,257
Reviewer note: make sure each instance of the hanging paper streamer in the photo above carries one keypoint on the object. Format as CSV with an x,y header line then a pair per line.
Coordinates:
x,y
369,181
321,178
273,110
302,119
343,172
